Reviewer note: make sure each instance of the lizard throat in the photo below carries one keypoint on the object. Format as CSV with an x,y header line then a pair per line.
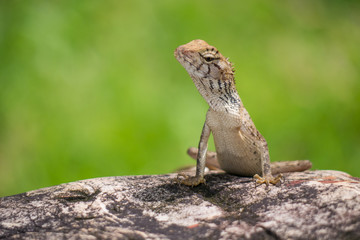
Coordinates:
x,y
221,95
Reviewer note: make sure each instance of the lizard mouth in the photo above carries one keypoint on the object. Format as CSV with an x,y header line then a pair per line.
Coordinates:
x,y
183,56
186,50
179,53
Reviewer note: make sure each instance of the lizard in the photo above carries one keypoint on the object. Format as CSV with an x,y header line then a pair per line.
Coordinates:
x,y
240,148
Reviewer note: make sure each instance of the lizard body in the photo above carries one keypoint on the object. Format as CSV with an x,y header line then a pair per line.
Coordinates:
x,y
240,148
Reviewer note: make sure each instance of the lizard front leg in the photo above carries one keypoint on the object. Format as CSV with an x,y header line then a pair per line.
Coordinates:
x,y
267,177
200,161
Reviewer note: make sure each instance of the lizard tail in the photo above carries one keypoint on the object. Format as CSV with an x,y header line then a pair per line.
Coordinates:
x,y
290,166
276,167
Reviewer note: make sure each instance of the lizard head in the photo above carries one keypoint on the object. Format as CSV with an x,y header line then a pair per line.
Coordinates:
x,y
203,61
211,72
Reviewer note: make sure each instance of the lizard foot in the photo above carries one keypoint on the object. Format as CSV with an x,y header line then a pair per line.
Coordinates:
x,y
189,180
268,179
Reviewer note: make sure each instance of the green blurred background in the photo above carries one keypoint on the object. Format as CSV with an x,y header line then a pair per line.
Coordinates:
x,y
91,88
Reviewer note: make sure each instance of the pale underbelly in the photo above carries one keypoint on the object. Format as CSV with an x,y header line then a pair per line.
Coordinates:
x,y
237,156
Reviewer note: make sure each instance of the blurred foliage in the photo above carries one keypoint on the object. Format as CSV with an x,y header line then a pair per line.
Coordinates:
x,y
91,88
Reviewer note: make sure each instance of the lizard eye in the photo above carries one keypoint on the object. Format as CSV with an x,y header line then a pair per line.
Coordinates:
x,y
209,56
209,59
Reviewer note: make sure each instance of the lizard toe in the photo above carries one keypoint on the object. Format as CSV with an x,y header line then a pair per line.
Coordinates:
x,y
189,180
267,179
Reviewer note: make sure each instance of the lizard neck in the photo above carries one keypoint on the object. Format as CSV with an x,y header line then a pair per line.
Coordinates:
x,y
220,94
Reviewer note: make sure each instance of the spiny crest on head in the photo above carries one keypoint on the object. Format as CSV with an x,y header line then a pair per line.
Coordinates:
x,y
232,68
231,64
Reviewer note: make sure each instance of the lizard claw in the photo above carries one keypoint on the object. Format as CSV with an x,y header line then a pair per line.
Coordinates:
x,y
268,179
189,180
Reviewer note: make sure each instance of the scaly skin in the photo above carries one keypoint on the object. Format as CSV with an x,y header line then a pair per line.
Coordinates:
x,y
240,148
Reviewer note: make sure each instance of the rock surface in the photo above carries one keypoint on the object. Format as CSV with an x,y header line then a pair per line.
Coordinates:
x,y
307,205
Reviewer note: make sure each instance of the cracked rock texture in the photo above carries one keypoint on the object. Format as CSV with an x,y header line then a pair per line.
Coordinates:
x,y
307,205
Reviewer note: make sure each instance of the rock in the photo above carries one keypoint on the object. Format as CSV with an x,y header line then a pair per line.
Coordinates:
x,y
307,205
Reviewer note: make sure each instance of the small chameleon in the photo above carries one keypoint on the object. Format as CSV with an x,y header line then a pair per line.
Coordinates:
x,y
240,148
